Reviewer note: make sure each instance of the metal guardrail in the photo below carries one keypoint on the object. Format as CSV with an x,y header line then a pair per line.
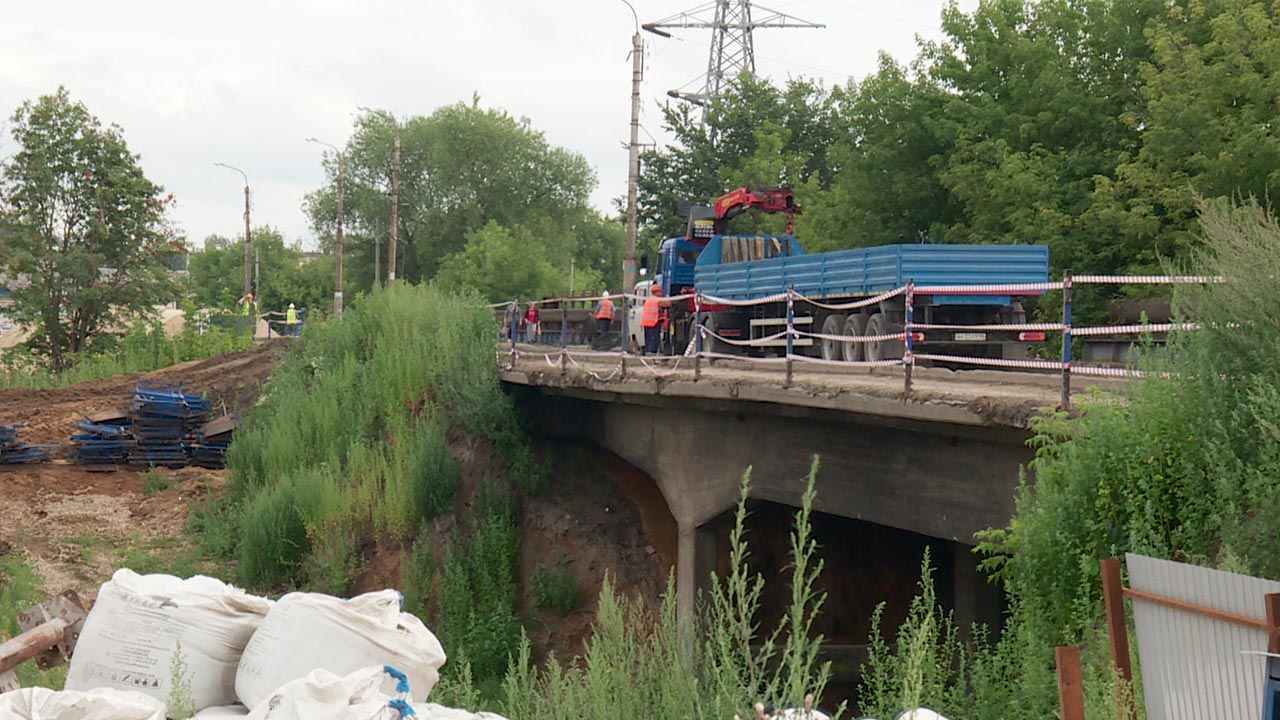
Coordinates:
x,y
911,333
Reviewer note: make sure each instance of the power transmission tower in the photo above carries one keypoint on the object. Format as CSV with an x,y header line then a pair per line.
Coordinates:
x,y
732,52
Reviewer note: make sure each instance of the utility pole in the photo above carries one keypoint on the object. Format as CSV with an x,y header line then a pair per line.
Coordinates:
x,y
248,239
337,290
377,261
633,164
395,212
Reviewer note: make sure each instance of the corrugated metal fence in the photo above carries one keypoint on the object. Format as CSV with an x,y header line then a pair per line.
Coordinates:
x,y
1192,663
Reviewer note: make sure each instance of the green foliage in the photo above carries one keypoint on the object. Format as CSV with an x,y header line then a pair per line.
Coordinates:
x,y
556,588
143,347
216,274
638,664
82,224
156,480
179,705
20,589
465,171
1184,469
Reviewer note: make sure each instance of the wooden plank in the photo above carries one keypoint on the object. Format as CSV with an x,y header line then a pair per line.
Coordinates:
x,y
1212,613
1070,682
1272,601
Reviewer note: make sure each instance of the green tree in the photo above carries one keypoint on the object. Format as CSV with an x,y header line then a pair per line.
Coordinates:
x,y
501,264
284,274
462,167
83,225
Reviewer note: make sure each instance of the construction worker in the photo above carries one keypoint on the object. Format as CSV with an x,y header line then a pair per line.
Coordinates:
x,y
653,318
291,326
604,314
248,322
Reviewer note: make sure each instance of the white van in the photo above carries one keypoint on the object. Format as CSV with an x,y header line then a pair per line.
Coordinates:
x,y
635,308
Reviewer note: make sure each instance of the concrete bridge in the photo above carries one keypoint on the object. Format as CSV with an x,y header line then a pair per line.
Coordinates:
x,y
899,474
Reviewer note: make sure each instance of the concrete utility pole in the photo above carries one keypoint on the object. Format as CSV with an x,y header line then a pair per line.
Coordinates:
x,y
633,164
395,212
248,239
337,291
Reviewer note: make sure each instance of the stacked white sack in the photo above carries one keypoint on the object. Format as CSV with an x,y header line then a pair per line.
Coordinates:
x,y
100,704
309,631
366,694
139,621
223,712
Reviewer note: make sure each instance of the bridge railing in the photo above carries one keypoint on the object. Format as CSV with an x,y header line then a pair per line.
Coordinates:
x,y
910,335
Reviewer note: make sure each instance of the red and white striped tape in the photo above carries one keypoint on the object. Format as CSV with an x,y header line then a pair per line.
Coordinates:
x,y
757,342
713,300
851,305
1024,327
851,338
1099,371
846,363
1146,279
1129,329
1010,289
724,356
994,362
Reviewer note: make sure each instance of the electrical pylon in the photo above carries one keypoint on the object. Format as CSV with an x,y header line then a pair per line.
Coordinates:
x,y
732,51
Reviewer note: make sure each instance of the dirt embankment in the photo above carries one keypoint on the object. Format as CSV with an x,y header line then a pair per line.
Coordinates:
x,y
76,526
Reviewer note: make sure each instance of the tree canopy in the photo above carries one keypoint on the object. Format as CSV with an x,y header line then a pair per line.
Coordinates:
x,y
285,274
85,232
470,177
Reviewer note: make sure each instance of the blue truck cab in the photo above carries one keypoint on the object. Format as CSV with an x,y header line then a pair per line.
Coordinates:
x,y
679,259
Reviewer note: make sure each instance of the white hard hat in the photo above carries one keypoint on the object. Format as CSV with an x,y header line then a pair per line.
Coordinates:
x,y
290,304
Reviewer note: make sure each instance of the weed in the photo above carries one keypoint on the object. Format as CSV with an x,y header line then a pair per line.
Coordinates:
x,y
21,588
155,481
555,589
180,704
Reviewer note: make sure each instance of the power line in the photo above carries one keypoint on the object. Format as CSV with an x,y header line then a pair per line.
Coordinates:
x,y
886,16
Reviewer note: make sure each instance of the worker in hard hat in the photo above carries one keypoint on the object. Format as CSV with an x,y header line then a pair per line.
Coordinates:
x,y
291,326
248,321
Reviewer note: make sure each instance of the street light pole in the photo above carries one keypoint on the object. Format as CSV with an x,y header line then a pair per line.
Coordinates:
x,y
248,238
633,165
337,291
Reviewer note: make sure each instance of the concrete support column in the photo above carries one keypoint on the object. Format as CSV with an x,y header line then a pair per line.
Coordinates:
x,y
696,559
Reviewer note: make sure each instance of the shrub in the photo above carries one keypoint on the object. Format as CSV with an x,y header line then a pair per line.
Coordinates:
x,y
555,589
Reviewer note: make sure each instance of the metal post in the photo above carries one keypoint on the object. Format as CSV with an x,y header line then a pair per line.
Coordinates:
x,y
633,160
1117,628
564,337
248,237
697,337
395,212
377,261
626,336
257,277
908,339
1070,682
1066,339
337,289
790,328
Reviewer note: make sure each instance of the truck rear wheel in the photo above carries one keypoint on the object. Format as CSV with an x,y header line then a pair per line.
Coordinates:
x,y
833,325
854,325
884,349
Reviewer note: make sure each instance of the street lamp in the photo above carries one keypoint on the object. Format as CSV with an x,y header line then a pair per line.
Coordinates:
x,y
248,238
337,291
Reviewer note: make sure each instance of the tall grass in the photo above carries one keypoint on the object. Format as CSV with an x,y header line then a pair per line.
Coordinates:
x,y
348,449
143,348
20,589
639,664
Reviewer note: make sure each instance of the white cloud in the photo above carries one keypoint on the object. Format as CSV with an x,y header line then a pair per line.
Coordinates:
x,y
245,82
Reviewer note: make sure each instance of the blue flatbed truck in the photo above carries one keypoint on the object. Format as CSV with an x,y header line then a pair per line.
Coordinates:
x,y
751,267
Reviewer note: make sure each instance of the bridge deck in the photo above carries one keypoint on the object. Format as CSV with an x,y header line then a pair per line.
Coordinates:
x,y
967,397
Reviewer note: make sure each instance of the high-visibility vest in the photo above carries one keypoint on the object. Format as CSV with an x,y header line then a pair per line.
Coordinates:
x,y
291,317
250,308
605,310
650,316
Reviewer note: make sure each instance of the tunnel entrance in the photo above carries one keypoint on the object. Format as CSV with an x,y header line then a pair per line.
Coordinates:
x,y
865,564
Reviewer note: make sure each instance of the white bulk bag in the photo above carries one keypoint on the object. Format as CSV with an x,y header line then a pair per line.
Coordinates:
x,y
131,633
432,711
100,704
309,631
222,712
366,694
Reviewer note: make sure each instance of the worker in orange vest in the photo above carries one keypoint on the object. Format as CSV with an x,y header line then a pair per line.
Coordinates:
x,y
604,314
653,318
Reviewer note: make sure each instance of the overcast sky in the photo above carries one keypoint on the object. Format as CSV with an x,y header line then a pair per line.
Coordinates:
x,y
246,81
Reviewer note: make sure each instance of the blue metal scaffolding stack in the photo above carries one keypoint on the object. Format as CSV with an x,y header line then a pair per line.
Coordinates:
x,y
103,443
210,450
13,452
164,419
